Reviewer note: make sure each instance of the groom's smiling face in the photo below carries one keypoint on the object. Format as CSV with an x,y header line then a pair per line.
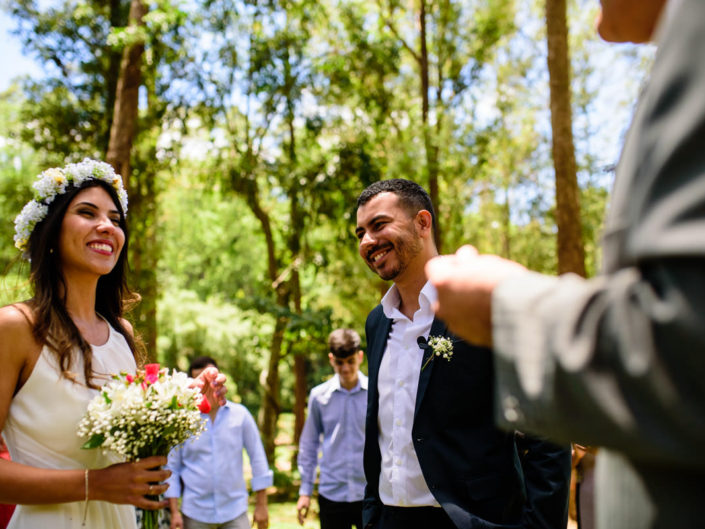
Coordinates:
x,y
388,240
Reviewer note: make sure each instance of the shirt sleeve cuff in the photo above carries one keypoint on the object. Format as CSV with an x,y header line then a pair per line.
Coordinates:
x,y
174,490
263,481
306,489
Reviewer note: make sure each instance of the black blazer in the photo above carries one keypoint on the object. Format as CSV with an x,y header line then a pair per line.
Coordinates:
x,y
472,469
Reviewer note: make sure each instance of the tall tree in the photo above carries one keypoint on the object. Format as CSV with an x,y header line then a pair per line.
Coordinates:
x,y
571,252
448,44
122,129
142,189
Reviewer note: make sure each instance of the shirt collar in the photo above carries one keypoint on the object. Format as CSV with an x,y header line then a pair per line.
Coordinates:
x,y
334,385
390,301
361,382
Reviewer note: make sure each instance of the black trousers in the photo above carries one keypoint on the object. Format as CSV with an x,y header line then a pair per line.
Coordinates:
x,y
413,518
339,514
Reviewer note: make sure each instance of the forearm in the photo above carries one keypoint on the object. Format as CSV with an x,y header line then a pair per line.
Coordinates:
x,y
26,485
119,483
261,498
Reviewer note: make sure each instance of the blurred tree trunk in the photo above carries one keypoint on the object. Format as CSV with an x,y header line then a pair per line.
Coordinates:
x,y
430,147
142,192
246,185
122,129
271,407
296,218
113,73
144,255
571,251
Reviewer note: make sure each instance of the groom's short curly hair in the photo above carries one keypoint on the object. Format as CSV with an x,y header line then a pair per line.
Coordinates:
x,y
412,197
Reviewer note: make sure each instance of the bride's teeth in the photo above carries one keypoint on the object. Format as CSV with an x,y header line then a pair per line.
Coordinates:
x,y
104,247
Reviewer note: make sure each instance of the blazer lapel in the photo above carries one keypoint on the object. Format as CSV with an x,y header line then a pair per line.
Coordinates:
x,y
374,355
438,328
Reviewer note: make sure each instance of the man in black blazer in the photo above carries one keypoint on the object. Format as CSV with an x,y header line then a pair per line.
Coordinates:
x,y
433,456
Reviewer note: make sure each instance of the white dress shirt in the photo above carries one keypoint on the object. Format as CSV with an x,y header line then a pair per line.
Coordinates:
x,y
401,482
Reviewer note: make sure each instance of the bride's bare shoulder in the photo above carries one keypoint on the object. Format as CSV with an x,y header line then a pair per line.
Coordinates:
x,y
16,328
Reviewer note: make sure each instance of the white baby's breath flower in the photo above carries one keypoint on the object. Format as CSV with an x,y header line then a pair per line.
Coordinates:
x,y
440,346
32,213
135,416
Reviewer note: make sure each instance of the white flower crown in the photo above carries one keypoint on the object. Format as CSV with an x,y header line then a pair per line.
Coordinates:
x,y
56,181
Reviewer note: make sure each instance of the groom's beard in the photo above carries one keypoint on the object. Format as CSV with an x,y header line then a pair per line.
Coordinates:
x,y
405,248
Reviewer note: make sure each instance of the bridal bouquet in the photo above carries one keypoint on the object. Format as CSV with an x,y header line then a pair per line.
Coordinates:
x,y
144,415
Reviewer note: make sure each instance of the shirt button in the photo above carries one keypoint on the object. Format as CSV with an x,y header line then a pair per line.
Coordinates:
x,y
401,383
398,423
398,462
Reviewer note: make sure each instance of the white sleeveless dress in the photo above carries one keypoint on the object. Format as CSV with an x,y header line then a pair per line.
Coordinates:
x,y
40,431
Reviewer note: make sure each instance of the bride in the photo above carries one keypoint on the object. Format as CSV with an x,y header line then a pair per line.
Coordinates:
x,y
59,347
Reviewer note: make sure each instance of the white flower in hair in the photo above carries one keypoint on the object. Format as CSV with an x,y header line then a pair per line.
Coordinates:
x,y
25,222
50,183
56,181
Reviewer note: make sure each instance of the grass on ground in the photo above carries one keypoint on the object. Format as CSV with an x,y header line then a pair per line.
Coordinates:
x,y
283,516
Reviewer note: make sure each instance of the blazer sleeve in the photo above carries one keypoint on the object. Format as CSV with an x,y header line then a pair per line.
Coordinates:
x,y
618,360
371,504
546,469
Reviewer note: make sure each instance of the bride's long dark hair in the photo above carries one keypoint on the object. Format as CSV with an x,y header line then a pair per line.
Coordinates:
x,y
52,325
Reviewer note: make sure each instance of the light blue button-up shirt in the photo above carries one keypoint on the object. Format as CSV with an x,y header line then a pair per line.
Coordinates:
x,y
336,417
210,467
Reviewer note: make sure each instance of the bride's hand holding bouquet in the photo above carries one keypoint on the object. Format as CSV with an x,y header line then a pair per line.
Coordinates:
x,y
141,418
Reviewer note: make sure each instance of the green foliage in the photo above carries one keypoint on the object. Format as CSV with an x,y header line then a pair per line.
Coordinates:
x,y
17,171
77,95
213,248
236,339
259,125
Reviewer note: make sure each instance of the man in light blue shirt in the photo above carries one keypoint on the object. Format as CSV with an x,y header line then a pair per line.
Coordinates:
x,y
336,417
207,472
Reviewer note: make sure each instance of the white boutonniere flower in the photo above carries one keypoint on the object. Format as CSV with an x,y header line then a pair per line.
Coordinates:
x,y
440,346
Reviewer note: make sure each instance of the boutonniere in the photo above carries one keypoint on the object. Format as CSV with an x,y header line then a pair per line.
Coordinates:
x,y
439,346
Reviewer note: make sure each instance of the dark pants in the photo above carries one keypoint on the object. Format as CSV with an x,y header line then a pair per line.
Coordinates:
x,y
339,514
413,518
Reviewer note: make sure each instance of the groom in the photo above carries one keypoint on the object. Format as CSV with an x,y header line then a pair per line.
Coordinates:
x,y
433,457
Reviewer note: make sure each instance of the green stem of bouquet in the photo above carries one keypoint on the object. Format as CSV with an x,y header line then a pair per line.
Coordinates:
x,y
150,519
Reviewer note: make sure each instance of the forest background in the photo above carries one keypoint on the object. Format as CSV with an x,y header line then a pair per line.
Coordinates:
x,y
246,129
